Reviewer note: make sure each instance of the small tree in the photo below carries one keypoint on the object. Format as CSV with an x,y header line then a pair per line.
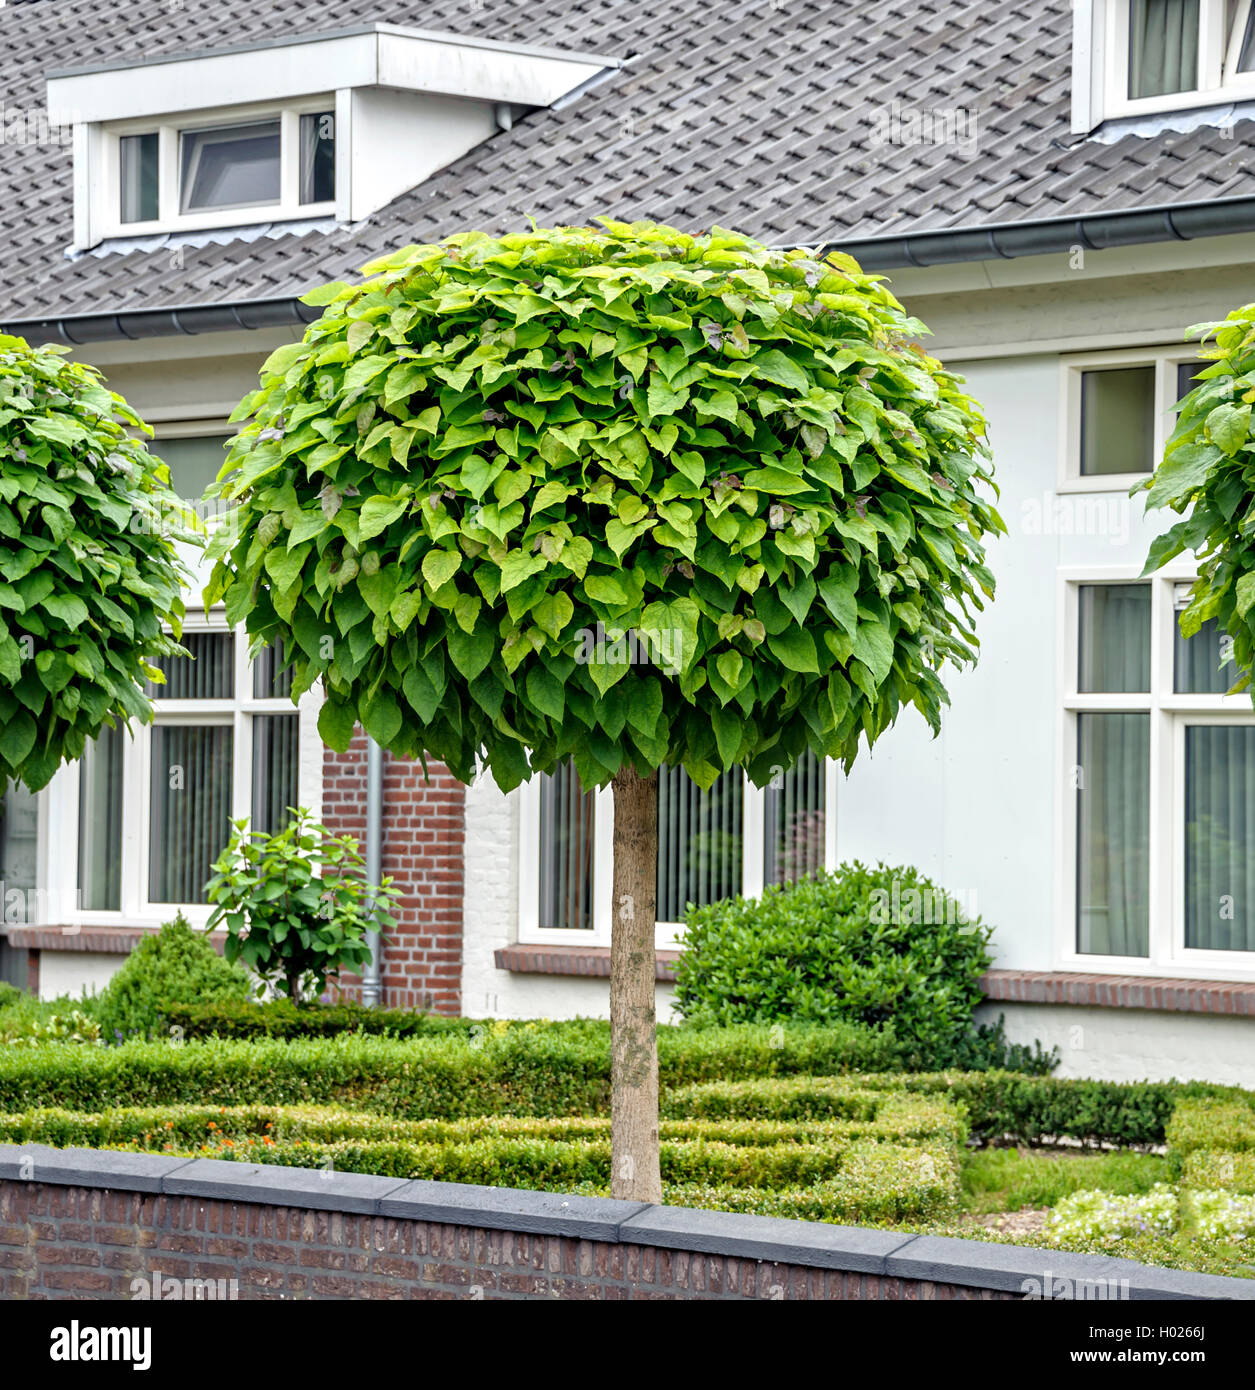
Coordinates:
x,y
1208,473
88,571
295,904
496,453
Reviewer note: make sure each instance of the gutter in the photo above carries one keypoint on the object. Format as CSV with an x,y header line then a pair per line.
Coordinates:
x,y
998,241
1008,240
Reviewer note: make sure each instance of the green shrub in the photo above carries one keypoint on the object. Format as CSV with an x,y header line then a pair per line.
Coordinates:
x,y
9,994
875,946
1211,1124
1219,1168
175,964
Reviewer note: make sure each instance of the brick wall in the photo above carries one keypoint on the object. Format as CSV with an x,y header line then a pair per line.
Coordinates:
x,y
89,1223
423,823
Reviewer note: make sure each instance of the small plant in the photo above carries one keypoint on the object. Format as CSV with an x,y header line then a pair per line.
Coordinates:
x,y
176,965
296,904
1102,1217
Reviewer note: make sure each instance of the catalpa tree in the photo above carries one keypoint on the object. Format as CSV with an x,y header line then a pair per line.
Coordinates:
x,y
88,568
500,468
1208,473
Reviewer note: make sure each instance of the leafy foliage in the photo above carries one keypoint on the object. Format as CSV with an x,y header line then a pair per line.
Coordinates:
x,y
875,946
1208,474
174,964
295,903
88,571
280,1018
496,452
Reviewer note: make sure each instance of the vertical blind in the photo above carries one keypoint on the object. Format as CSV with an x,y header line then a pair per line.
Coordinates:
x,y
190,808
1113,834
270,680
566,851
699,841
1220,837
208,675
1163,47
793,822
100,823
275,770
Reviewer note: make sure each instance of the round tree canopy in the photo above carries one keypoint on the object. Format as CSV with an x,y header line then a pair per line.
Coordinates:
x,y
619,495
88,570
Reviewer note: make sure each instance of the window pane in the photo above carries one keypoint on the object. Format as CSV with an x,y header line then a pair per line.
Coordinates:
x,y
699,841
1246,58
1203,664
209,674
1220,838
1163,47
193,462
1117,421
19,846
566,851
1114,638
235,167
100,823
793,822
1112,834
274,770
137,156
269,681
1185,376
190,808
318,157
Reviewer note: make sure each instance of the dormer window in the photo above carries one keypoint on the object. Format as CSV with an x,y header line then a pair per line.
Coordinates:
x,y
1149,57
301,127
258,166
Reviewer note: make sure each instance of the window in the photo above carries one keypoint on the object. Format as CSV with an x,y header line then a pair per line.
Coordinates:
x,y
1148,56
153,806
1161,804
1118,414
249,164
730,839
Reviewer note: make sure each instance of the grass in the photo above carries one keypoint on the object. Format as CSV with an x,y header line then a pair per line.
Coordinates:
x,y
1008,1180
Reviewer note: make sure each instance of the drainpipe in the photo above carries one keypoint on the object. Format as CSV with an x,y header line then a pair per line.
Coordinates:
x,y
372,980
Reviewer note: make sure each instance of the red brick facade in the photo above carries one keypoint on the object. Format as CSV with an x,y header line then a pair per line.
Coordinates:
x,y
423,830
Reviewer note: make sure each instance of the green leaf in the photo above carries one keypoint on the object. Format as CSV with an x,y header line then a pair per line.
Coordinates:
x,y
439,566
873,645
671,628
1245,593
381,716
794,648
471,652
1229,427
773,365
544,690
378,513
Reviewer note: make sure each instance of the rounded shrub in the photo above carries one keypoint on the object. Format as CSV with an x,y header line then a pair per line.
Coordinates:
x,y
881,946
177,965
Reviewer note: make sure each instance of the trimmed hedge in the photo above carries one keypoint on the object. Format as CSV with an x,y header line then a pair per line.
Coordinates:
x,y
541,1069
902,1162
280,1018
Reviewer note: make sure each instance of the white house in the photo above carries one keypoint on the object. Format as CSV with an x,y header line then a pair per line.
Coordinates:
x,y
1056,196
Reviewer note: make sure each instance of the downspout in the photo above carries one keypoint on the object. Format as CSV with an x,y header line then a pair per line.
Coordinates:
x,y
372,979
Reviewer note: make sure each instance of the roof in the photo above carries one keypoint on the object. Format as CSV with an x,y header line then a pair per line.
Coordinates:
x,y
754,114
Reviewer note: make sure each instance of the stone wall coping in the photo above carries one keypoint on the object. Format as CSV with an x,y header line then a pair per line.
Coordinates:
x,y
817,1244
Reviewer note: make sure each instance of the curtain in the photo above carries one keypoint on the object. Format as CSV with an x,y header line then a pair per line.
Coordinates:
x,y
100,823
275,770
271,681
793,822
208,675
1163,47
318,156
566,851
699,841
1114,638
190,808
1220,837
1197,668
1113,834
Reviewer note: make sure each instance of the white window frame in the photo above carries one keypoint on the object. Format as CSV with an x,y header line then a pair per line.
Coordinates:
x,y
668,935
1101,63
1165,361
1170,714
169,193
135,907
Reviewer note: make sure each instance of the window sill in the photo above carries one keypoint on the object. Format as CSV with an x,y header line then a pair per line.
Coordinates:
x,y
1156,993
105,940
589,961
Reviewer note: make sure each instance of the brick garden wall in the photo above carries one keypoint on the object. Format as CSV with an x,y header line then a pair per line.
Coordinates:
x,y
423,827
89,1223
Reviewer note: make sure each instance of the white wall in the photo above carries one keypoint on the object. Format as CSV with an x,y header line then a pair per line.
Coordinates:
x,y
72,972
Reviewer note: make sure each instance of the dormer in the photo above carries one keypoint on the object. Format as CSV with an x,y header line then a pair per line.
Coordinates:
x,y
328,125
1134,58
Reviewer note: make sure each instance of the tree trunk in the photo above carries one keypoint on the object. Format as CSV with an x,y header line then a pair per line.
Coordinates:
x,y
635,1173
